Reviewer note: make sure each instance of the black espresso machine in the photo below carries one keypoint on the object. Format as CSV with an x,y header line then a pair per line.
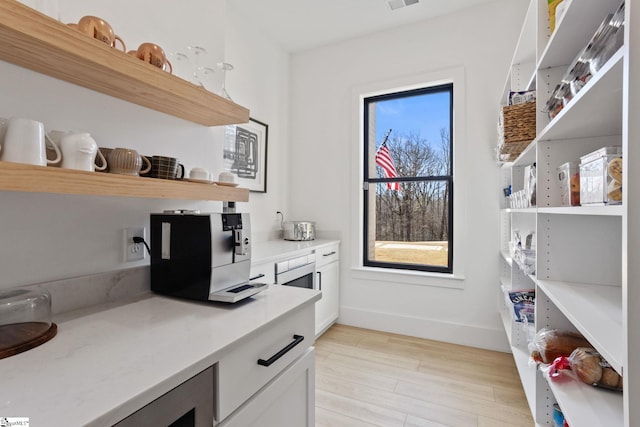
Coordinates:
x,y
204,257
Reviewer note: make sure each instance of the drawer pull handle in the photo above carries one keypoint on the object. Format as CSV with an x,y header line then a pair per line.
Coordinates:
x,y
330,253
297,339
256,277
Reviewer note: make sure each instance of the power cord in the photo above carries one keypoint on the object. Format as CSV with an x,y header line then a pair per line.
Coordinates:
x,y
137,239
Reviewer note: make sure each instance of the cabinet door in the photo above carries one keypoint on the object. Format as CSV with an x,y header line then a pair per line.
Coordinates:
x,y
327,307
287,401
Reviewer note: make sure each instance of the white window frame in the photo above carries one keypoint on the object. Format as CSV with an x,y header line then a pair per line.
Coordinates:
x,y
412,277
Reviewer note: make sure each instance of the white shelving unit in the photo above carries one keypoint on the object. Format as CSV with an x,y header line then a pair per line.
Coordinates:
x,y
584,262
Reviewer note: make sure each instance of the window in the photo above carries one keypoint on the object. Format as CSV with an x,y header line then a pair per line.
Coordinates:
x,y
408,179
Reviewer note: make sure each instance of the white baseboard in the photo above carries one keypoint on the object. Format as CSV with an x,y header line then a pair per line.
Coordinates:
x,y
474,336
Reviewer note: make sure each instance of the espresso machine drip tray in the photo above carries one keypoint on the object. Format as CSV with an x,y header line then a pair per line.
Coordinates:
x,y
238,292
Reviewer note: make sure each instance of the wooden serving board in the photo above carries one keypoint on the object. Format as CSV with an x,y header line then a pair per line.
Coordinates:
x,y
18,337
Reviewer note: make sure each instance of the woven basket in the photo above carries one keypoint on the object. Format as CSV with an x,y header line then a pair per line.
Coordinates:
x,y
519,122
510,152
517,128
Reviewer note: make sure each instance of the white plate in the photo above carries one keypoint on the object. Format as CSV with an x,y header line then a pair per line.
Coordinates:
x,y
226,184
201,181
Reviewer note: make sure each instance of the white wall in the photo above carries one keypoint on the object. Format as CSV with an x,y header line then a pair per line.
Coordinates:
x,y
310,171
324,184
48,236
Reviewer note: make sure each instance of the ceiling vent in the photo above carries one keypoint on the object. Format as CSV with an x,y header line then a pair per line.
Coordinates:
x,y
397,4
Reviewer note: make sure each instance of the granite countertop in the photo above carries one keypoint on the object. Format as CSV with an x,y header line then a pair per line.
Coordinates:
x,y
108,361
274,250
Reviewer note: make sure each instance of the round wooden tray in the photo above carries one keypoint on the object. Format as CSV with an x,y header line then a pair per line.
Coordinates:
x,y
18,337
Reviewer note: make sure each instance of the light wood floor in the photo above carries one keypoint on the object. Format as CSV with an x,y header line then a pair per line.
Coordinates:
x,y
371,378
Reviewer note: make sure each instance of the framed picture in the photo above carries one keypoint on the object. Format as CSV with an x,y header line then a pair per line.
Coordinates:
x,y
245,154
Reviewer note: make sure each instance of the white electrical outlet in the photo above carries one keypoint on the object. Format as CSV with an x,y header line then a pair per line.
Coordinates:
x,y
134,251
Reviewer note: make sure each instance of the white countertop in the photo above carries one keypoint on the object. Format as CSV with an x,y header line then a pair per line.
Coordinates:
x,y
273,250
109,361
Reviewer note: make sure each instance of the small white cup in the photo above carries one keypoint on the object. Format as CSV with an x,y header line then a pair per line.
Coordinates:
x,y
200,173
226,177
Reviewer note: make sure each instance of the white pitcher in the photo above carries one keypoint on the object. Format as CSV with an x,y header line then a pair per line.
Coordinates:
x,y
79,152
24,142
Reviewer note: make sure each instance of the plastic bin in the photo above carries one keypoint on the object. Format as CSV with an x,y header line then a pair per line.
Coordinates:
x,y
601,176
569,182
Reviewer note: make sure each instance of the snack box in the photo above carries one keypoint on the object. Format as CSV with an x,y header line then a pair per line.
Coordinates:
x,y
569,181
601,176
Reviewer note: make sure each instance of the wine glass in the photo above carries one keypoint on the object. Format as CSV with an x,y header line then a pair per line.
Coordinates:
x,y
181,65
197,52
206,74
224,66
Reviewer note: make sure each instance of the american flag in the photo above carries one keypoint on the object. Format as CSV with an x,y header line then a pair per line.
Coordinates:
x,y
384,160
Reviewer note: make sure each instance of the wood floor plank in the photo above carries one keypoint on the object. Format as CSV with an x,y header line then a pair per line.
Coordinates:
x,y
358,409
393,401
490,422
448,348
474,405
511,396
326,418
419,422
378,357
438,379
429,382
371,377
467,373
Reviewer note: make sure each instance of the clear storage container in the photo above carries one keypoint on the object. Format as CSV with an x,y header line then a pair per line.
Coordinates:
x,y
25,320
569,182
601,176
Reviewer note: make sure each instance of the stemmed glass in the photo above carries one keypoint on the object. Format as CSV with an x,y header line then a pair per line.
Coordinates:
x,y
206,74
224,66
197,52
181,65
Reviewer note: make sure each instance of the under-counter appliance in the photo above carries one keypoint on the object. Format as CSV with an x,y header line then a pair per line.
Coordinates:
x,y
299,271
204,257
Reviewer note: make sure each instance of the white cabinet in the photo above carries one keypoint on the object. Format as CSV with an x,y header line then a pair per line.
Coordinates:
x,y
328,281
326,254
268,371
287,401
584,265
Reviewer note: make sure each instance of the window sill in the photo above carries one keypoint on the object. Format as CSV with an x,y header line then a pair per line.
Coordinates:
x,y
408,277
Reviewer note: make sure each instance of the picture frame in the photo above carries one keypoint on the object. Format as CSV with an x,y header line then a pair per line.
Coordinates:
x,y
245,154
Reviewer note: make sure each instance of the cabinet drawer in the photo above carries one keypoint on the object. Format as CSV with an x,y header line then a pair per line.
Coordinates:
x,y
327,254
287,401
239,374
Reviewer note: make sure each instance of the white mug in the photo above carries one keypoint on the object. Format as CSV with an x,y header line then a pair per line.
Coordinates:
x,y
200,173
24,142
79,152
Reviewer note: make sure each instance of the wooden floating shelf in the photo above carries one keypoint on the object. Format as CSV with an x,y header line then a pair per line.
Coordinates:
x,y
35,41
42,179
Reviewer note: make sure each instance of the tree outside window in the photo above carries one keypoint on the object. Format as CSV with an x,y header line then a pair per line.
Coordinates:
x,y
408,182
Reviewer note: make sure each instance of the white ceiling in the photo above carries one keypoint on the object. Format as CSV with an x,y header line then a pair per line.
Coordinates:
x,y
304,24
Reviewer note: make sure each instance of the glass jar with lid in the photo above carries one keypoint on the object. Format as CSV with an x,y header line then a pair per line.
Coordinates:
x,y
25,320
